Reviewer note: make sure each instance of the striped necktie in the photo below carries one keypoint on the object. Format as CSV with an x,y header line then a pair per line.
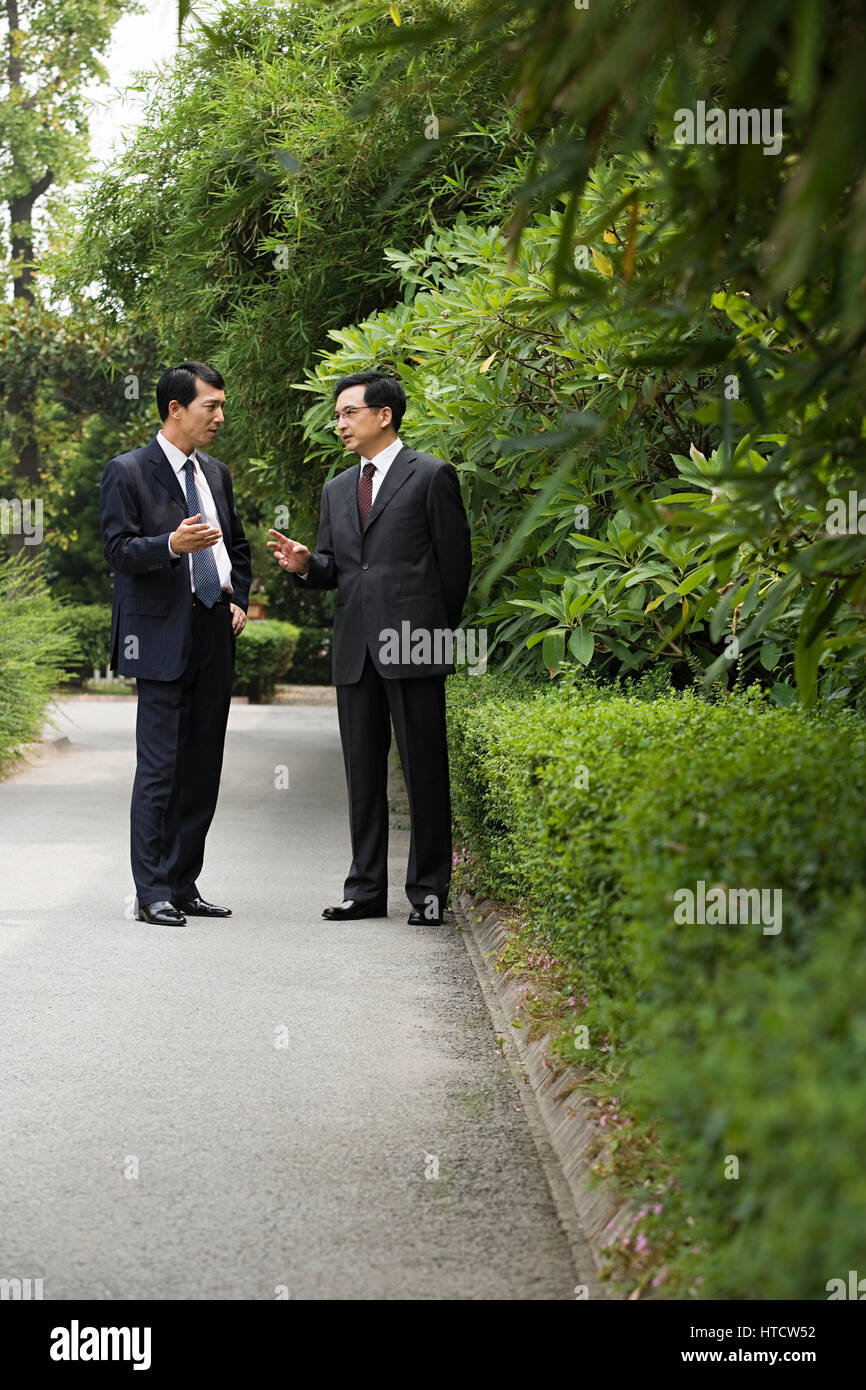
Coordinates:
x,y
205,574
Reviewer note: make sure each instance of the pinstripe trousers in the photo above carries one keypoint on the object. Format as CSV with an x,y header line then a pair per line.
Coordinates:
x,y
180,733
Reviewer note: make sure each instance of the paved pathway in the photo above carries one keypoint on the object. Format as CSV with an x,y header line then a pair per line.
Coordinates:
x,y
130,1049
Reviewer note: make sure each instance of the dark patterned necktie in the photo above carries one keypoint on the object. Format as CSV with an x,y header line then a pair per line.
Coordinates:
x,y
205,574
365,492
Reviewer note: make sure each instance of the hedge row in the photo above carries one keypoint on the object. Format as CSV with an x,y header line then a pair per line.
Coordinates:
x,y
90,627
599,810
267,652
263,656
311,664
32,656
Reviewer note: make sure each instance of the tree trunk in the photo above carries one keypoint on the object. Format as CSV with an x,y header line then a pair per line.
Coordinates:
x,y
29,464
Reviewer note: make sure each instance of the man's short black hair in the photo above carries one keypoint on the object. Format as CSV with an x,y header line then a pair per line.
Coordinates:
x,y
179,384
380,390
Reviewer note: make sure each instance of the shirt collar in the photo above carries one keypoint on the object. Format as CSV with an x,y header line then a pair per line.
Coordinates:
x,y
176,457
382,462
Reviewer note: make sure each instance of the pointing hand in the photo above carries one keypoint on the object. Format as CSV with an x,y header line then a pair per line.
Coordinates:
x,y
292,556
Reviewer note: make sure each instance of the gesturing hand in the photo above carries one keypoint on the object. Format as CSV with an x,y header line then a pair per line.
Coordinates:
x,y
193,534
292,556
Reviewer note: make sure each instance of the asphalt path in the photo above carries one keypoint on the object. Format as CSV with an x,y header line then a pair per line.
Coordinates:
x,y
267,1106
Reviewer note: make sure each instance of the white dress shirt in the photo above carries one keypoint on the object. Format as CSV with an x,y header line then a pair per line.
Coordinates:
x,y
177,459
382,462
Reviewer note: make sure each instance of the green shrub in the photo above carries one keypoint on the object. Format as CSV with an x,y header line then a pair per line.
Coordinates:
x,y
90,626
597,808
311,664
33,653
264,655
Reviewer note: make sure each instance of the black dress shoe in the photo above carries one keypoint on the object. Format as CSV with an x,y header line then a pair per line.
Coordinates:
x,y
418,918
197,907
350,910
162,914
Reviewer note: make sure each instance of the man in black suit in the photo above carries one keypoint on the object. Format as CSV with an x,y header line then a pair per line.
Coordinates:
x,y
182,578
394,541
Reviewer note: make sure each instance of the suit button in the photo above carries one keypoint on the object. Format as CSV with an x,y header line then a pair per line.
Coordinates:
x,y
365,566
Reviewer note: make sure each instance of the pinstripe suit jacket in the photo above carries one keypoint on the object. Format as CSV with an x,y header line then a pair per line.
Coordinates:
x,y
141,503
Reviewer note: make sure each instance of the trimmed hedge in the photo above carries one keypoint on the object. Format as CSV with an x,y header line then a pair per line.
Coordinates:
x,y
32,655
263,656
311,664
90,627
596,808
264,653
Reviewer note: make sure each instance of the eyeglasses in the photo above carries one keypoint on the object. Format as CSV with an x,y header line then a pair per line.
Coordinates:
x,y
349,412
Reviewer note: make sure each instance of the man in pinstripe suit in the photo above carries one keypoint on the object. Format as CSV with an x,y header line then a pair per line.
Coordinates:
x,y
182,575
395,543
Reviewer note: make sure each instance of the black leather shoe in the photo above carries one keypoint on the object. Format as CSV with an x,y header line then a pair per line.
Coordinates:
x,y
197,907
162,914
355,910
417,918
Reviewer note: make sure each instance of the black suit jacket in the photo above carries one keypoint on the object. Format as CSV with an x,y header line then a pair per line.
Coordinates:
x,y
142,502
411,564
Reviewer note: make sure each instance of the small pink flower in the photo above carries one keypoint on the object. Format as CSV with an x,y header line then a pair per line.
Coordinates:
x,y
657,1208
603,1120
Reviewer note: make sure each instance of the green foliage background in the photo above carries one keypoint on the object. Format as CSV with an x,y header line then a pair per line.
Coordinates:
x,y
250,215
612,523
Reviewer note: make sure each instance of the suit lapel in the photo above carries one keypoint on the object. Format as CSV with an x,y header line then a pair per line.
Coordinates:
x,y
402,467
215,483
163,472
349,494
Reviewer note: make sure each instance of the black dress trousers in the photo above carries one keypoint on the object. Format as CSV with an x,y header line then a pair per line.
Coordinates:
x,y
180,733
417,707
